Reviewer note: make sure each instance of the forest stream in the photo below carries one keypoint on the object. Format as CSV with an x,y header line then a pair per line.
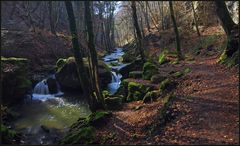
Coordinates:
x,y
46,117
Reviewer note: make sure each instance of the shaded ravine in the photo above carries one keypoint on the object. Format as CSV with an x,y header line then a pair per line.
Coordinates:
x,y
46,117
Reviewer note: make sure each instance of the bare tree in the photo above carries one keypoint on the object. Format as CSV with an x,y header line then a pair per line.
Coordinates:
x,y
138,32
179,54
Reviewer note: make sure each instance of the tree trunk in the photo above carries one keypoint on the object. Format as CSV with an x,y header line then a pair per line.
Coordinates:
x,y
139,36
82,74
179,54
230,28
224,16
93,55
51,21
195,19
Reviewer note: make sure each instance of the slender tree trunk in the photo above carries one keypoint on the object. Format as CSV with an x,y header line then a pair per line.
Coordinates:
x,y
51,21
139,36
93,54
179,54
195,19
82,74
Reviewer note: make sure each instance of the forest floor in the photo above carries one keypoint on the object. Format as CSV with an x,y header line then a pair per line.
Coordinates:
x,y
206,103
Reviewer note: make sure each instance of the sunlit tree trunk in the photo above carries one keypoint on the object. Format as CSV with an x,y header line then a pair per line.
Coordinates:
x,y
195,19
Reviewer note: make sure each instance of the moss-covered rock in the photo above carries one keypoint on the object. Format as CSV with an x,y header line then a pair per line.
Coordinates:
x,y
135,74
52,85
83,131
167,85
229,61
157,78
14,79
182,73
68,78
113,103
151,96
136,91
149,69
134,65
9,136
85,135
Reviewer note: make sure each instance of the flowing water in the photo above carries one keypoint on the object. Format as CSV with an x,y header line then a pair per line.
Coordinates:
x,y
45,117
114,58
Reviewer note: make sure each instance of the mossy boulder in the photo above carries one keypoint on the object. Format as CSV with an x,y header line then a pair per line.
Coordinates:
x,y
157,78
133,66
52,85
135,74
14,79
167,85
83,131
149,69
66,74
9,136
151,96
113,103
182,73
84,135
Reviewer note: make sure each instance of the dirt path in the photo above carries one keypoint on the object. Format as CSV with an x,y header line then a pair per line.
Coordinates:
x,y
208,105
208,99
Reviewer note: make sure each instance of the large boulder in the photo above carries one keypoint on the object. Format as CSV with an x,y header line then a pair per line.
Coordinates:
x,y
14,79
149,69
135,89
133,66
66,74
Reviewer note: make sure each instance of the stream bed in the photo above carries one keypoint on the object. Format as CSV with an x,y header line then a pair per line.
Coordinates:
x,y
45,118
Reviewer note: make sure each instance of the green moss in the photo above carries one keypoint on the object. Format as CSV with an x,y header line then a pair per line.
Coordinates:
x,y
13,59
149,69
222,58
135,108
7,136
157,78
178,74
174,62
113,103
229,61
135,74
137,95
132,88
164,84
105,93
186,71
162,58
85,135
60,63
150,96
96,117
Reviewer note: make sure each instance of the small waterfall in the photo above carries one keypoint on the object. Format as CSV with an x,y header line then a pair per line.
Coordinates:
x,y
41,90
115,84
